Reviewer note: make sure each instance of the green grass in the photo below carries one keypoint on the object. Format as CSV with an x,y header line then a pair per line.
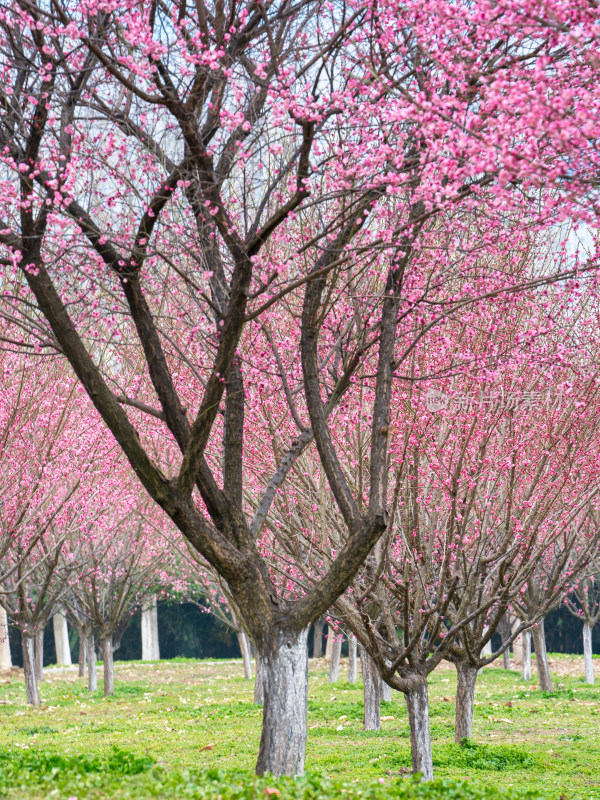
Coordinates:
x,y
189,729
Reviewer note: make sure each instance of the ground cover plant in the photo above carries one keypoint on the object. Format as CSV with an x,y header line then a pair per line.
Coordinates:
x,y
189,728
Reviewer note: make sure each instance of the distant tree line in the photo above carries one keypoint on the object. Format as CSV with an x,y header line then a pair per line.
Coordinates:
x,y
187,632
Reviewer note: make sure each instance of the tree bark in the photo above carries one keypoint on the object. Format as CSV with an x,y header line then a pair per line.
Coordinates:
x,y
466,678
526,666
244,644
29,670
352,660
541,658
91,659
318,638
5,657
506,658
39,655
334,664
150,644
61,639
82,654
417,702
372,692
108,665
259,693
284,728
587,653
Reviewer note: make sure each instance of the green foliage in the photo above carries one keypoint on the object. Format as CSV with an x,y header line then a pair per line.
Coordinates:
x,y
190,729
85,777
32,730
471,755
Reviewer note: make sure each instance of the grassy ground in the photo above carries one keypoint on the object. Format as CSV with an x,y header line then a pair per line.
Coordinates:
x,y
186,714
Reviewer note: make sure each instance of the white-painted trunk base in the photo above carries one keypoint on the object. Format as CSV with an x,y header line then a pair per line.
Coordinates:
x,y
285,686
244,644
588,663
466,679
29,670
108,666
39,655
91,660
150,643
371,692
541,657
386,692
5,657
61,639
417,703
352,660
526,665
334,664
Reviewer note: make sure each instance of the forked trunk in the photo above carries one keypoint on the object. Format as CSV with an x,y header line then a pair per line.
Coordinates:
x,y
352,660
39,655
5,657
526,666
372,692
541,658
386,692
82,654
29,670
244,644
285,682
417,702
108,665
334,664
318,638
588,663
466,678
259,693
91,659
61,639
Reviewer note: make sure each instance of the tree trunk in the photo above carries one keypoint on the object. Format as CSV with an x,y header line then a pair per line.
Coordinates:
x,y
259,693
244,644
352,665
150,646
466,678
386,692
61,639
587,653
318,638
39,655
526,666
91,659
372,692
285,682
334,664
486,650
5,658
541,659
417,702
108,665
82,654
518,649
29,670
504,630
329,642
